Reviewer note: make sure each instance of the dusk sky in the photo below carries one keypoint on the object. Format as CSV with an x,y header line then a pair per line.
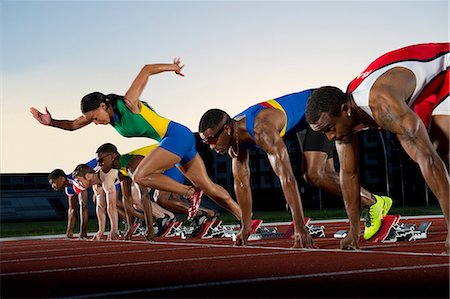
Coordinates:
x,y
237,53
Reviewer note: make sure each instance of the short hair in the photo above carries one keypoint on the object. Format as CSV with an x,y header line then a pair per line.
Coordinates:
x,y
57,173
107,148
325,99
81,170
212,118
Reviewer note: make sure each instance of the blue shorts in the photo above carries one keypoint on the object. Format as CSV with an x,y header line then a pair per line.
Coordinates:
x,y
180,141
175,174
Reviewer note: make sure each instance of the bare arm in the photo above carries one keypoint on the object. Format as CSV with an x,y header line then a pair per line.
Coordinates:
x,y
47,120
267,136
84,213
350,186
394,115
134,92
241,176
108,185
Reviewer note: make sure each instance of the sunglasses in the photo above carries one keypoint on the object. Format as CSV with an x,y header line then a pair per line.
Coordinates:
x,y
101,159
212,140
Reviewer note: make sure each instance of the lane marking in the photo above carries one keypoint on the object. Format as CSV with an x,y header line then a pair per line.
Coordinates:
x,y
255,280
145,263
99,254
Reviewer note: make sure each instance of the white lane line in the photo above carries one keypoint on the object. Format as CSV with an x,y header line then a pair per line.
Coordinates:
x,y
57,249
260,279
196,259
99,254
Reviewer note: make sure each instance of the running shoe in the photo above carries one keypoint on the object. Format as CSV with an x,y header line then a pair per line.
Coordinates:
x,y
373,218
164,224
387,205
195,200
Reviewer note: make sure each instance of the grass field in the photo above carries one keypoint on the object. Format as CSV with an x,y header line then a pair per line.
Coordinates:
x,y
36,228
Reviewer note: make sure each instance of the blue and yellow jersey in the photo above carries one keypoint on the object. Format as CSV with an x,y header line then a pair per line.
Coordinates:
x,y
146,123
292,105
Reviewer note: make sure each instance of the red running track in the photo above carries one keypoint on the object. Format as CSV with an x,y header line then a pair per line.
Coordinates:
x,y
174,268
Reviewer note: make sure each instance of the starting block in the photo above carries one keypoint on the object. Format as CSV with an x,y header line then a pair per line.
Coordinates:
x,y
392,231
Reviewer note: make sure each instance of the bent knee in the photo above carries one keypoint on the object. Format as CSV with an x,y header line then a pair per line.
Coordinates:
x,y
312,177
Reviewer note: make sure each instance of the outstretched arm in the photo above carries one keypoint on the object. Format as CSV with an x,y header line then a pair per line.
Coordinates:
x,y
349,181
134,92
394,115
241,175
47,120
267,136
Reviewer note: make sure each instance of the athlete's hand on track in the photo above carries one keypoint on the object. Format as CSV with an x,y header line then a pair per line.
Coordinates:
x,y
113,236
178,66
303,239
45,119
242,237
97,236
150,236
350,242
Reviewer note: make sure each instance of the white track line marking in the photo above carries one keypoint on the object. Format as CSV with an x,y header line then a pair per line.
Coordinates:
x,y
180,260
255,280
134,251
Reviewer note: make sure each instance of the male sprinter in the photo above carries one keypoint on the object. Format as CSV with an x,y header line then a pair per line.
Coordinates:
x,y
264,125
406,92
88,177
62,182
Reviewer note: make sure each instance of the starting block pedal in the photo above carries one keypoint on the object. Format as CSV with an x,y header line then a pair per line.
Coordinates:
x,y
383,235
175,230
314,231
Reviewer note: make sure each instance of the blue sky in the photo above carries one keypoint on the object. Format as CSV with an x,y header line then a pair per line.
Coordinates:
x,y
236,53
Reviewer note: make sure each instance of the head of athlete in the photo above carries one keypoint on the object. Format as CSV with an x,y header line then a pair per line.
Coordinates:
x,y
107,157
58,180
216,129
97,107
85,175
329,111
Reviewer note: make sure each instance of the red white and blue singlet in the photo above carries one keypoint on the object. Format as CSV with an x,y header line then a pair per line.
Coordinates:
x,y
430,65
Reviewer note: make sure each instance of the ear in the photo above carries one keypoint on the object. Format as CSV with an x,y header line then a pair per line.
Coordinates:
x,y
228,129
103,106
346,109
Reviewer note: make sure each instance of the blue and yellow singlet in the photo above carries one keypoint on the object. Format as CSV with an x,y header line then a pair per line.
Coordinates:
x,y
292,105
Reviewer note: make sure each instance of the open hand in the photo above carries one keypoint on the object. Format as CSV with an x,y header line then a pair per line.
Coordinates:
x,y
178,66
45,119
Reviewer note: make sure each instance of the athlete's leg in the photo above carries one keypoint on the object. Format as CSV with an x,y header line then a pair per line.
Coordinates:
x,y
195,171
149,173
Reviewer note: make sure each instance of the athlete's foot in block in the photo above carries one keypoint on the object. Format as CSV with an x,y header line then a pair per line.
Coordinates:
x,y
350,242
242,237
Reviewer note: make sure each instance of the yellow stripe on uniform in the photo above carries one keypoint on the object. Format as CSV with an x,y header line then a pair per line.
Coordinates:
x,y
276,105
143,151
158,123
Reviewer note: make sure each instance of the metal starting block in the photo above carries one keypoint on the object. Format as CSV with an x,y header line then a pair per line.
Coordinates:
x,y
392,231
409,232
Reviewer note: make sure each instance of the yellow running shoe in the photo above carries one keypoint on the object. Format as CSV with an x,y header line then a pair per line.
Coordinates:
x,y
373,219
387,205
